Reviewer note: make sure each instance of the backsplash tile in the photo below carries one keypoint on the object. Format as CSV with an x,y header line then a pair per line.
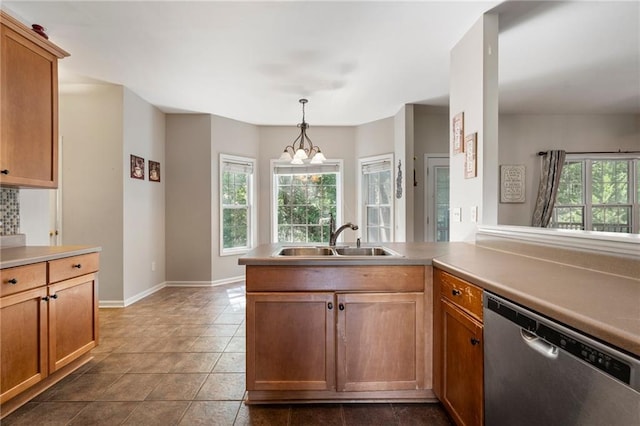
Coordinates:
x,y
9,211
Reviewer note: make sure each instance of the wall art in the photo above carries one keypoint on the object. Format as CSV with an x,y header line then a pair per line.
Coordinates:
x,y
512,183
470,157
154,171
137,167
458,132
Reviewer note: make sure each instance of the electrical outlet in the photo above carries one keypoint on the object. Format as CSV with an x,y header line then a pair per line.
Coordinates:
x,y
153,266
457,214
474,214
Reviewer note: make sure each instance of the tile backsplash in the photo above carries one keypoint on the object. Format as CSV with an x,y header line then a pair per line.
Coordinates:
x,y
9,211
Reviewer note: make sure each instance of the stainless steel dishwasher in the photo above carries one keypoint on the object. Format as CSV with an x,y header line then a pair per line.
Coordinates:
x,y
539,372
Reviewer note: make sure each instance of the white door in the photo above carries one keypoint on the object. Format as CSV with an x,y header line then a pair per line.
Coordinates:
x,y
437,198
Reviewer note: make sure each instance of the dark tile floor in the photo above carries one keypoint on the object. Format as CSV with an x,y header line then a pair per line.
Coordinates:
x,y
177,357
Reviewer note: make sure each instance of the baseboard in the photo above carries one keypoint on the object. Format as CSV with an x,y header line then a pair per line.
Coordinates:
x,y
215,283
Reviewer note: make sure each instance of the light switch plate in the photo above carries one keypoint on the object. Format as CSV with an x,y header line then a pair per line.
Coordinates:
x,y
474,214
457,214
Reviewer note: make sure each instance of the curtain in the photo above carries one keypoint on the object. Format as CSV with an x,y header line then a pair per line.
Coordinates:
x,y
552,163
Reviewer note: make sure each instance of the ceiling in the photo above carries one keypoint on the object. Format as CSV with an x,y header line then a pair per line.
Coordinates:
x,y
355,61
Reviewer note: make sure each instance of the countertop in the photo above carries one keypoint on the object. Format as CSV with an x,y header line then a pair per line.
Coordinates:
x,y
24,255
604,305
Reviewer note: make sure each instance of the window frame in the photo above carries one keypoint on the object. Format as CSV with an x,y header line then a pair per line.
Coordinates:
x,y
251,204
587,204
362,208
275,164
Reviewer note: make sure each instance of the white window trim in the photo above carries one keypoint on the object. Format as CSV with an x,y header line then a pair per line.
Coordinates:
x,y
586,173
362,162
251,200
274,201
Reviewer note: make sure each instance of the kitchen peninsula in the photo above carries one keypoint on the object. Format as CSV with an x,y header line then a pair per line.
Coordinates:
x,y
342,357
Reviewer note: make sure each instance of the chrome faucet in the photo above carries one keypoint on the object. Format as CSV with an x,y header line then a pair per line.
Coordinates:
x,y
333,233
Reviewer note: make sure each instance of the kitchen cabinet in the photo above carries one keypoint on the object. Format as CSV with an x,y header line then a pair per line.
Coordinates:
x,y
29,107
316,338
458,353
48,320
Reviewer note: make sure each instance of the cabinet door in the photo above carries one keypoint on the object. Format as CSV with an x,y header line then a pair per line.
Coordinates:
x,y
462,365
29,117
73,319
290,341
380,341
23,341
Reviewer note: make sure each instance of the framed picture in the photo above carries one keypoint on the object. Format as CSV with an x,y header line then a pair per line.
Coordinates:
x,y
154,171
470,157
512,186
458,132
137,167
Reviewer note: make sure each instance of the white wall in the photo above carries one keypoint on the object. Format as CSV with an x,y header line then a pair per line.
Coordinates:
x,y
144,200
522,136
403,148
474,91
34,215
92,177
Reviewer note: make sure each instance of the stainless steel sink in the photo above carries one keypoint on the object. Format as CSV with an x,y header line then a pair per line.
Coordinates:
x,y
362,251
340,251
306,251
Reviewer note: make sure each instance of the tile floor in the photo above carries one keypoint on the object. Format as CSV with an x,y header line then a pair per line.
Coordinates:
x,y
177,357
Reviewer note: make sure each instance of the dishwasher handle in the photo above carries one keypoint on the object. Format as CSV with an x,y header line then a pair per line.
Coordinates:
x,y
537,344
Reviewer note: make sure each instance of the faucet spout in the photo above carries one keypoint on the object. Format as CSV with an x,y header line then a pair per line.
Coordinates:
x,y
333,236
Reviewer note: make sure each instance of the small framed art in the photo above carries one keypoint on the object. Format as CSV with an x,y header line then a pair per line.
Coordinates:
x,y
470,157
458,132
154,171
512,186
137,167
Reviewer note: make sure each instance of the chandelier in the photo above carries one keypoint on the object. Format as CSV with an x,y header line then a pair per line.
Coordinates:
x,y
305,149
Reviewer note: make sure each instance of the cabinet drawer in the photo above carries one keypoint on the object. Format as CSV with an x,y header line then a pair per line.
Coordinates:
x,y
69,267
460,292
22,278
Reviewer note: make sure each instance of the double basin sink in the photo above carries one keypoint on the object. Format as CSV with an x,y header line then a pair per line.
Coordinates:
x,y
339,251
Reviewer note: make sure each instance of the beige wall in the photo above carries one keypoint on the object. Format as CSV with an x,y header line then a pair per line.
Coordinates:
x,y
474,91
91,124
522,136
144,201
188,197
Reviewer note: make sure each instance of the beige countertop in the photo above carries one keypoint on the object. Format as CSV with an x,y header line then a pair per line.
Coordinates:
x,y
604,305
24,255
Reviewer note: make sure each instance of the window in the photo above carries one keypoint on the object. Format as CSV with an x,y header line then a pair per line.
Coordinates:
x,y
237,217
304,197
377,198
598,194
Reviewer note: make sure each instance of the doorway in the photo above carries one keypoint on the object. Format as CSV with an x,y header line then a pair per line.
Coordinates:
x,y
437,197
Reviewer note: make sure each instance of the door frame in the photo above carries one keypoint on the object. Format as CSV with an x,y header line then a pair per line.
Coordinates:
x,y
429,210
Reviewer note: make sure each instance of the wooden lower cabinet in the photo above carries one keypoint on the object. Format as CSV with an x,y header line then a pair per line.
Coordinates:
x,y
47,327
23,342
335,342
458,349
290,341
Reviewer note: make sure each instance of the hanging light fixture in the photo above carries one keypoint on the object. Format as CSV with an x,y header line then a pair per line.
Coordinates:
x,y
302,148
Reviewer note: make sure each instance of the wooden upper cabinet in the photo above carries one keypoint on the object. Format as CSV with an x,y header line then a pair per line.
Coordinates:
x,y
29,107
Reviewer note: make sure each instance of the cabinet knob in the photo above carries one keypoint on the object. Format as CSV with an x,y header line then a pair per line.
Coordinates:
x,y
77,265
474,341
46,298
341,307
13,281
456,292
330,305
54,296
4,171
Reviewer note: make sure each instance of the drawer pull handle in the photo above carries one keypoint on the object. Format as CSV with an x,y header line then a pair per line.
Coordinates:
x,y
54,296
341,307
76,265
474,341
330,305
13,281
46,298
456,292
5,172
